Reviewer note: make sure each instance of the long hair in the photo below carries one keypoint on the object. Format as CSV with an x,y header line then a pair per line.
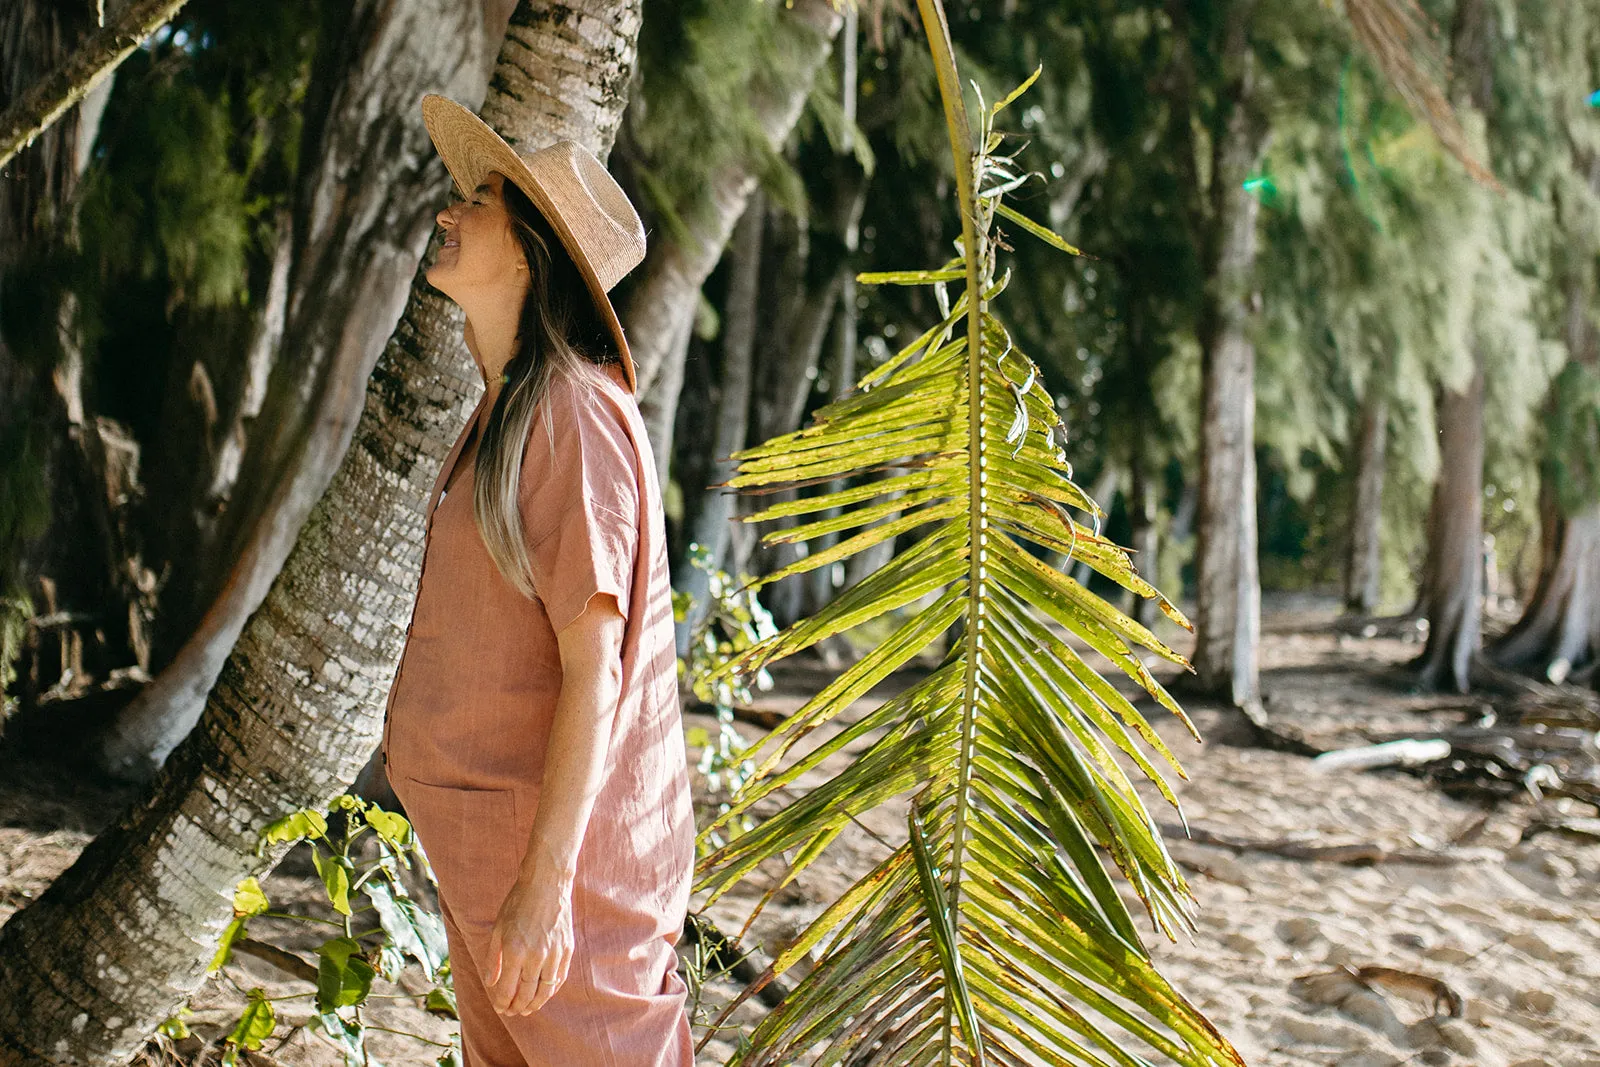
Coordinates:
x,y
558,331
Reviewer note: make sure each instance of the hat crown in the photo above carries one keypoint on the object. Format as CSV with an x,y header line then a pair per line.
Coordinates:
x,y
593,205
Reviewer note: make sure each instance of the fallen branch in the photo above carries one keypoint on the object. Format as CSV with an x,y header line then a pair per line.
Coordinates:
x,y
1358,854
1405,752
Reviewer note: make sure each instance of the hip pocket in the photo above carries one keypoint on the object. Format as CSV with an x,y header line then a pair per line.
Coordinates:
x,y
473,840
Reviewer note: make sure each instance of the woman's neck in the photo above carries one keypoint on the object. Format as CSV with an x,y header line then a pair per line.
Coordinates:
x,y
492,332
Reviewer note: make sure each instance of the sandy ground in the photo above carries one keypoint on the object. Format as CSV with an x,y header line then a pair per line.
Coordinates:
x,y
1512,929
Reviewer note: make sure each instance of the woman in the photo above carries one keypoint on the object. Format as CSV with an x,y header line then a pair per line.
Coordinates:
x,y
533,730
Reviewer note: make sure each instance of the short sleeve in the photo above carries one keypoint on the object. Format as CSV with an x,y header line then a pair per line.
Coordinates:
x,y
579,501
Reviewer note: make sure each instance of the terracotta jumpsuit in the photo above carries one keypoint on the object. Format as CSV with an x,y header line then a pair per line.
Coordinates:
x,y
469,718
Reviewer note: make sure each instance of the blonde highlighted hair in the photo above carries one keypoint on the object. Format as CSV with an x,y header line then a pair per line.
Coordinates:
x,y
559,330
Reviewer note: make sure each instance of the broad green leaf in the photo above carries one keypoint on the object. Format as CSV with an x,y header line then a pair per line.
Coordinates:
x,y
255,1024
346,1034
391,826
174,1026
248,899
414,930
344,976
442,1001
335,879
297,826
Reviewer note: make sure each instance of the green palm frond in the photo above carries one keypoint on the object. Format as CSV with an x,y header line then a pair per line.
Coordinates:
x,y
995,933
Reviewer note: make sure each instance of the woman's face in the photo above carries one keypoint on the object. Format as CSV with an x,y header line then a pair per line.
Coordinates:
x,y
480,254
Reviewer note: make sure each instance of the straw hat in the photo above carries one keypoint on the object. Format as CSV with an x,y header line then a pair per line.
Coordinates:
x,y
572,189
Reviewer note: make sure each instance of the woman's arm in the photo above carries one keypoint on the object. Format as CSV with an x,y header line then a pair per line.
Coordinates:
x,y
530,947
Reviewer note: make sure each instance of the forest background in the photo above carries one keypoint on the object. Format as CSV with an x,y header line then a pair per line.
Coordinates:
x,y
1311,347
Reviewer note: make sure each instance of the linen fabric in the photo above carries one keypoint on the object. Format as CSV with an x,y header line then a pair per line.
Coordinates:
x,y
469,718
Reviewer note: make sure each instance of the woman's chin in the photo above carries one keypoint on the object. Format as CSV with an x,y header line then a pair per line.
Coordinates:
x,y
439,276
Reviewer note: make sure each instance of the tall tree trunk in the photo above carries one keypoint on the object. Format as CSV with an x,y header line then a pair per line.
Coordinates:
x,y
1228,591
207,413
362,219
1451,597
1363,576
117,942
710,526
1560,629
1452,593
60,468
1145,538
1104,494
659,405
659,306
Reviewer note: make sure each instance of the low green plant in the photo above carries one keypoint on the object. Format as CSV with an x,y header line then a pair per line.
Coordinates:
x,y
378,931
735,621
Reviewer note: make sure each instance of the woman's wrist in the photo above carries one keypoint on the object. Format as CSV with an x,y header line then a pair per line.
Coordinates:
x,y
544,873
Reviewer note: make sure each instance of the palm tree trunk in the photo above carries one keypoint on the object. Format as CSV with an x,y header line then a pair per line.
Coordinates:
x,y
1228,592
120,939
362,219
1452,593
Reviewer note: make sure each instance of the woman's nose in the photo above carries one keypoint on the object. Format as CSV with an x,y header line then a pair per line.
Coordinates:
x,y
445,218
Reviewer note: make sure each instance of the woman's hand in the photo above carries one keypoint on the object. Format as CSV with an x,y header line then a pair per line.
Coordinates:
x,y
530,947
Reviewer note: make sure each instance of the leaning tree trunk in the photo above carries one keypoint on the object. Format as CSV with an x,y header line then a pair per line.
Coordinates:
x,y
660,305
710,526
1363,576
79,71
1228,591
1452,592
363,216
112,948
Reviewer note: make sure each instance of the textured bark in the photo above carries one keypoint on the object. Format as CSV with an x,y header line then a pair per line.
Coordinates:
x,y
124,935
362,219
659,308
1452,592
78,72
1363,576
1228,592
1560,629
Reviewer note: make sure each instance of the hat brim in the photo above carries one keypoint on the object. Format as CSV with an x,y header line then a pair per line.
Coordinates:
x,y
471,150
